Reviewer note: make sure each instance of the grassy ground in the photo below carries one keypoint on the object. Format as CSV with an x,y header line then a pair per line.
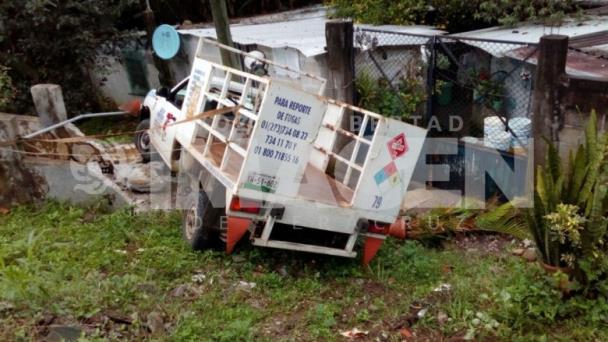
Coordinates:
x,y
117,275
110,125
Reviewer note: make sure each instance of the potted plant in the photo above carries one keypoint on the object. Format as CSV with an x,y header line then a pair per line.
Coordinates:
x,y
489,92
443,88
569,220
475,77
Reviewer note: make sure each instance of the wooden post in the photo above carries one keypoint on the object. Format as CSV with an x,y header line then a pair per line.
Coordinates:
x,y
545,109
340,61
165,77
222,30
340,58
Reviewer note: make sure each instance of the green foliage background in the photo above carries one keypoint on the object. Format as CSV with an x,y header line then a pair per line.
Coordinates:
x,y
56,42
453,15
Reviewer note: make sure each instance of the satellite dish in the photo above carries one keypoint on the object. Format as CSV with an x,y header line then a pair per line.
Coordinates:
x,y
165,41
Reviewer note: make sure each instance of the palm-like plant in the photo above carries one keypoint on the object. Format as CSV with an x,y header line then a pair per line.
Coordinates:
x,y
584,185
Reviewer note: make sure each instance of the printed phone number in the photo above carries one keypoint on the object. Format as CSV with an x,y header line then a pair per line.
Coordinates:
x,y
284,130
272,154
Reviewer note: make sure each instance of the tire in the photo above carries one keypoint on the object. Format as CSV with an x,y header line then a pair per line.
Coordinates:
x,y
201,224
142,140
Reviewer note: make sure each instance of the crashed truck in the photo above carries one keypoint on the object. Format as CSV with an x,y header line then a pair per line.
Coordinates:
x,y
263,158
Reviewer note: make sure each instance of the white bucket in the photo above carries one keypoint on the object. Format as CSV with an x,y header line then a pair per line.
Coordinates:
x,y
501,140
493,124
522,128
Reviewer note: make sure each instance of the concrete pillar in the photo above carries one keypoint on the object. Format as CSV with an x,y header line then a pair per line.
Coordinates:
x,y
48,100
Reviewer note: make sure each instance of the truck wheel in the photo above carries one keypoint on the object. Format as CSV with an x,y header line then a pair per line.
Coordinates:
x,y
142,140
201,224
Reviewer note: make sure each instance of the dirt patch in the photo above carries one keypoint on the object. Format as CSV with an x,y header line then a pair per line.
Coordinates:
x,y
484,243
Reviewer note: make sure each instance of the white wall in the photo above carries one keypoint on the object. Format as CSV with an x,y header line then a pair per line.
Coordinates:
x,y
117,88
114,82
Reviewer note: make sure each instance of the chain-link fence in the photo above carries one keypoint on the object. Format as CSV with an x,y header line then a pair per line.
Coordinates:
x,y
449,85
391,77
453,82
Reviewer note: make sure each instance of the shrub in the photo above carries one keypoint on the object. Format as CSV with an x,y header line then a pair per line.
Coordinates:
x,y
378,96
454,15
7,90
57,42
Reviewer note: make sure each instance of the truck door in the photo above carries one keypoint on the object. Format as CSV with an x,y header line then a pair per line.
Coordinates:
x,y
167,112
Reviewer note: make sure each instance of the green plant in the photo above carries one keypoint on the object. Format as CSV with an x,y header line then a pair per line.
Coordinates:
x,y
489,91
7,90
571,202
134,264
569,222
59,42
439,86
455,15
399,100
504,219
442,62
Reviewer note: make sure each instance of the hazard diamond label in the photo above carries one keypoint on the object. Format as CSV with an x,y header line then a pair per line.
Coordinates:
x,y
397,146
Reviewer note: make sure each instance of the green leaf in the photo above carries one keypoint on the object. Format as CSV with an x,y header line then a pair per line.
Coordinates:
x,y
504,219
553,161
591,136
579,171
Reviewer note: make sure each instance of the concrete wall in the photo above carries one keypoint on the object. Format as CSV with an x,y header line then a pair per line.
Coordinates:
x,y
30,178
18,183
573,133
114,82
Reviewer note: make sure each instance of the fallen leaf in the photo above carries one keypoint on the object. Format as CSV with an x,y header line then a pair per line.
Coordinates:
x,y
118,317
406,333
4,211
447,268
354,333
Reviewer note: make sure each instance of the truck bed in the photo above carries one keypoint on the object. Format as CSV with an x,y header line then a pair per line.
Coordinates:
x,y
316,185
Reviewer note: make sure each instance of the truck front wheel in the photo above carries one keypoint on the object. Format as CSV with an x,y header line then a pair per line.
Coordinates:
x,y
201,224
142,140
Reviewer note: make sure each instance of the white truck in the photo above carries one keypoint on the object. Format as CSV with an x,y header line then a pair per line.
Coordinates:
x,y
267,159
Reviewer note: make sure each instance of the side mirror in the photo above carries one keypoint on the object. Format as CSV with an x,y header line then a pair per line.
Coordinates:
x,y
163,91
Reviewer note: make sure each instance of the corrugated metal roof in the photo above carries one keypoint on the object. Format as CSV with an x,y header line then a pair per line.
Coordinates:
x,y
531,33
577,63
589,40
304,32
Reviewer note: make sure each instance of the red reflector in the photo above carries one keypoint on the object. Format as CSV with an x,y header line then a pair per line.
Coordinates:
x,y
245,205
378,228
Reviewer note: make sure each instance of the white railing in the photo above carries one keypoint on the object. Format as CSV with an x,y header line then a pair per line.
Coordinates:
x,y
242,89
328,137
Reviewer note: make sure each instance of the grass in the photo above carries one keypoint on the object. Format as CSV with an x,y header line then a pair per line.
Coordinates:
x,y
110,125
114,274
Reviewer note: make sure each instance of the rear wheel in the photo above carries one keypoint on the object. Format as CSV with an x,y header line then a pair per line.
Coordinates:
x,y
201,224
142,140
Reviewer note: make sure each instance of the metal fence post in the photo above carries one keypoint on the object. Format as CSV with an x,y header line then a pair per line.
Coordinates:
x,y
430,81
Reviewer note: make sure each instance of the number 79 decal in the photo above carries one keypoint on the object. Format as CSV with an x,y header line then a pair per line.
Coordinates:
x,y
377,202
